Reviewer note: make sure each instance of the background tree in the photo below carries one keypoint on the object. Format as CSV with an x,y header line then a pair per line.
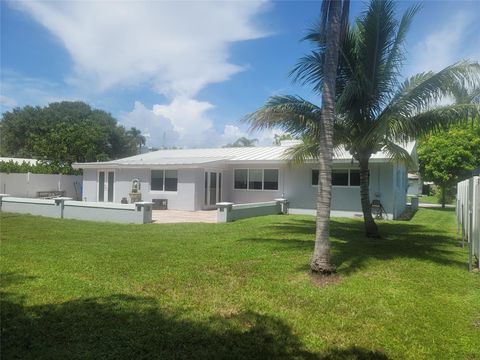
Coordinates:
x,y
138,139
64,133
242,142
277,139
450,156
374,112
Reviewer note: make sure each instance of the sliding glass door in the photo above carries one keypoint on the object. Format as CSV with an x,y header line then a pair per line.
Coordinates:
x,y
106,183
213,188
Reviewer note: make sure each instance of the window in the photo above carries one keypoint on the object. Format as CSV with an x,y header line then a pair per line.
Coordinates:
x,y
354,177
256,179
156,182
270,179
164,180
315,177
340,177
241,176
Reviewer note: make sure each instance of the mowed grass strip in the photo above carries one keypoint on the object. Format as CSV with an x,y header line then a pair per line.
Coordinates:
x,y
75,289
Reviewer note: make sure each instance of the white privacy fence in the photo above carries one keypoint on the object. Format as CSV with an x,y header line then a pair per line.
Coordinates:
x,y
468,215
65,208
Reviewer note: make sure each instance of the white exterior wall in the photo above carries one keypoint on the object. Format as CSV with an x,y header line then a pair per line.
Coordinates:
x,y
294,184
27,184
182,199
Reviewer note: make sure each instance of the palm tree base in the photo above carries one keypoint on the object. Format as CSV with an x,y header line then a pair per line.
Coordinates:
x,y
320,267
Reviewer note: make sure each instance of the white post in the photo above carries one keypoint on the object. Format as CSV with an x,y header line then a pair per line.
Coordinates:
x,y
283,205
146,208
224,210
1,197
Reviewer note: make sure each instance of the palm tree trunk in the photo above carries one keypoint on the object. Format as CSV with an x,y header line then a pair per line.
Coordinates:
x,y
321,260
371,229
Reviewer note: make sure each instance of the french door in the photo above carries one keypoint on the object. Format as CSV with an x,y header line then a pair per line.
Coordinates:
x,y
213,188
106,181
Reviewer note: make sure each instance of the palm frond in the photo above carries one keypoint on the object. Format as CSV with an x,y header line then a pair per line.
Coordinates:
x,y
397,153
416,96
290,113
437,119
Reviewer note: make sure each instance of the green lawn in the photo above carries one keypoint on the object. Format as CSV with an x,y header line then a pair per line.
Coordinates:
x,y
433,199
76,290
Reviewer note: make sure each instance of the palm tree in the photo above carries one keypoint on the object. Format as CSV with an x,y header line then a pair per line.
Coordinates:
x,y
137,138
374,111
333,20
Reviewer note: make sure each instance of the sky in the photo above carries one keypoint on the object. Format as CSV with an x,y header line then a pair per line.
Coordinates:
x,y
186,72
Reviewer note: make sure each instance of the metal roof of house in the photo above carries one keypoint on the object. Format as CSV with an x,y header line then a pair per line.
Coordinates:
x,y
197,157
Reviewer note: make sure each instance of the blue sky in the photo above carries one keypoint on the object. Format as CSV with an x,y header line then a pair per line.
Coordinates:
x,y
186,72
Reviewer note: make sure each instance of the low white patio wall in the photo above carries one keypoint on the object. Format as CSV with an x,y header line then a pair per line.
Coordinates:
x,y
64,208
468,215
227,211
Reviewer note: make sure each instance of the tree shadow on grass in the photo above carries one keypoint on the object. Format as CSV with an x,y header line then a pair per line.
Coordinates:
x,y
351,249
129,327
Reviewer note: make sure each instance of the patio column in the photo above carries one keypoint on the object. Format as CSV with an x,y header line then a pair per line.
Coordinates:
x,y
283,205
145,207
1,197
224,209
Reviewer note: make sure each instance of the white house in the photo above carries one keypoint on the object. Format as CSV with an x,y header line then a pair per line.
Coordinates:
x,y
197,179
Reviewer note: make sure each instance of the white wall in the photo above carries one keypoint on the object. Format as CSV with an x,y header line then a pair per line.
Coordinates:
x,y
182,199
294,185
27,185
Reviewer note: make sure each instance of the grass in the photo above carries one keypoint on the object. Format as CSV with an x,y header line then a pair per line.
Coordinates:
x,y
76,290
434,199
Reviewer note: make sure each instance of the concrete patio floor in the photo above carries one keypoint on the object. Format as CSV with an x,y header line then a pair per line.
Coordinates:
x,y
180,216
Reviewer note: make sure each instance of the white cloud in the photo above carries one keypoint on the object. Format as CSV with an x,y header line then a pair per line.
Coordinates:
x,y
6,101
445,46
177,47
185,122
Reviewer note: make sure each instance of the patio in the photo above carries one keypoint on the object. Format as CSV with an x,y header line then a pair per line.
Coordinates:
x,y
181,216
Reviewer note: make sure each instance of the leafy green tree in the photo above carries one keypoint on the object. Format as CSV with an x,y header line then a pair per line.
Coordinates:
x,y
242,142
64,133
374,111
448,157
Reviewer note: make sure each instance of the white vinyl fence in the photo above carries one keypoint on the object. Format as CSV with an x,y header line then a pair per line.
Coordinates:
x,y
468,216
64,208
35,185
